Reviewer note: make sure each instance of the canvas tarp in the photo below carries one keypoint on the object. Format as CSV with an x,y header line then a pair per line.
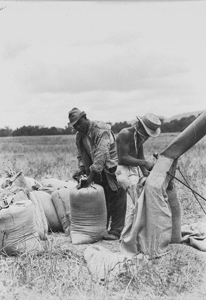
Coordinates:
x,y
195,235
150,227
106,265
156,220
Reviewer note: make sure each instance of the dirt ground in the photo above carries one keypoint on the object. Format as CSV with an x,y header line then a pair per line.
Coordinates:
x,y
65,243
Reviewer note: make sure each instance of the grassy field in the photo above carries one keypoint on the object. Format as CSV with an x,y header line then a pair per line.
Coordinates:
x,y
61,273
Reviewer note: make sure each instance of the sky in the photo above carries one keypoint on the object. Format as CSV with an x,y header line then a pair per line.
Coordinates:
x,y
113,59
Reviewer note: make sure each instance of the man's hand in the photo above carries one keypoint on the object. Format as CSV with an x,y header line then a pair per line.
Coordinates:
x,y
76,176
146,172
82,181
149,165
156,155
85,181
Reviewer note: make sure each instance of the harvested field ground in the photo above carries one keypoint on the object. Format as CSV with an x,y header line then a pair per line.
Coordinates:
x,y
61,273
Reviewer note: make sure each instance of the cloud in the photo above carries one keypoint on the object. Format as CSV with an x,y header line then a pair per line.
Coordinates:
x,y
112,59
12,50
100,69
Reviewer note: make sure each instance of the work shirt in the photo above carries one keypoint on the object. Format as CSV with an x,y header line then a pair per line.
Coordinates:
x,y
97,149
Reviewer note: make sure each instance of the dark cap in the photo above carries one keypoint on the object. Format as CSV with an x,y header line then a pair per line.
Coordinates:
x,y
74,115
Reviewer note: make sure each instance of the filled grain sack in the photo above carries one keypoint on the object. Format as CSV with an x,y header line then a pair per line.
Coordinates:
x,y
5,182
13,194
2,182
88,214
36,185
50,185
18,232
52,218
20,181
40,217
61,202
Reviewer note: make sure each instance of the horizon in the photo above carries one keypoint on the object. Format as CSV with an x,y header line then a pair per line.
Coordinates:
x,y
176,117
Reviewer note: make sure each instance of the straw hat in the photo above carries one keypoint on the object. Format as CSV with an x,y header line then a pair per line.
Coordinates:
x,y
151,124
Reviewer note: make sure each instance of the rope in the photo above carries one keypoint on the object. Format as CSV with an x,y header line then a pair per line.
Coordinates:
x,y
193,191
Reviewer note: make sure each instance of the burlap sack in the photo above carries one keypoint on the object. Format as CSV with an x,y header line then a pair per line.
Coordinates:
x,y
50,185
88,214
61,202
18,233
40,217
46,203
150,228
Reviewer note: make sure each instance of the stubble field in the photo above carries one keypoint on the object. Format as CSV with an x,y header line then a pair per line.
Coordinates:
x,y
61,273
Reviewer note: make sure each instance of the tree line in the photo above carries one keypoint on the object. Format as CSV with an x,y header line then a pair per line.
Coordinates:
x,y
172,126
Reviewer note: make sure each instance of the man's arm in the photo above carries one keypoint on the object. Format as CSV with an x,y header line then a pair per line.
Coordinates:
x,y
80,161
81,168
123,149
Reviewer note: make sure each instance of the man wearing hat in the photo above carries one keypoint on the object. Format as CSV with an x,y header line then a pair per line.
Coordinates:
x,y
97,158
131,160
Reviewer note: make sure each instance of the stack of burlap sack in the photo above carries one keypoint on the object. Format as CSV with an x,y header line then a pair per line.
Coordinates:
x,y
29,210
